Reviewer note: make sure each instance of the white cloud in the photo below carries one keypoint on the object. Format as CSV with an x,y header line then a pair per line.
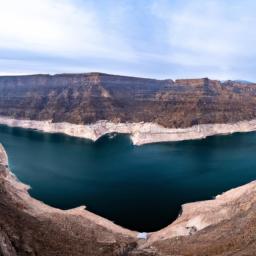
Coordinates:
x,y
155,38
213,33
58,27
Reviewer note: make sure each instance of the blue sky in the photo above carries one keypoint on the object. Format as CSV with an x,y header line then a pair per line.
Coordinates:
x,y
148,38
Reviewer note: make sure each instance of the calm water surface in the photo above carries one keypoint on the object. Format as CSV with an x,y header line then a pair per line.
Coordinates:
x,y
141,188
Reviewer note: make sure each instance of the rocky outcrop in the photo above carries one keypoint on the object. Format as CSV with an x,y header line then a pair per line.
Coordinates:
x,y
223,226
88,98
199,215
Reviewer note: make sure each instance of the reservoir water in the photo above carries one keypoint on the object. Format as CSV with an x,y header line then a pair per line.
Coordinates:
x,y
141,188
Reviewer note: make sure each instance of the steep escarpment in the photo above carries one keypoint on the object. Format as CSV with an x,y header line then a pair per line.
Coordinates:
x,y
88,98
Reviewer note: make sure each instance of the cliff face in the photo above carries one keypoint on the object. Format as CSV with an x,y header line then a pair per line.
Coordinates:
x,y
87,98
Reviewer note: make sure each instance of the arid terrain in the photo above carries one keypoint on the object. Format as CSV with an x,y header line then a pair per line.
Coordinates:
x,y
87,98
223,226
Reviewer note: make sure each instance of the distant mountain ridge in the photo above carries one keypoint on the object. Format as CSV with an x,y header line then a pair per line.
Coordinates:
x,y
243,82
238,81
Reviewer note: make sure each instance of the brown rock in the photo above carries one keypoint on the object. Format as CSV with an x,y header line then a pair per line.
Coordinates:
x,y
87,98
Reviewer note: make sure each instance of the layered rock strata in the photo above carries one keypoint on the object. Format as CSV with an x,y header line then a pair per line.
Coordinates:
x,y
88,98
223,226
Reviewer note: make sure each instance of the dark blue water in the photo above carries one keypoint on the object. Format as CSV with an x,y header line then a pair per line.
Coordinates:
x,y
141,188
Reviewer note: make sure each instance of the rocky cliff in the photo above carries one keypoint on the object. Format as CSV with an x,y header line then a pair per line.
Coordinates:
x,y
74,104
87,98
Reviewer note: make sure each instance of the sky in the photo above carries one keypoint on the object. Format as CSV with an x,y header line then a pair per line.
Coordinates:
x,y
146,38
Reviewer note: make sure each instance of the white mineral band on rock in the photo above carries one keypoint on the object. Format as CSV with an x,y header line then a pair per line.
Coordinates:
x,y
140,133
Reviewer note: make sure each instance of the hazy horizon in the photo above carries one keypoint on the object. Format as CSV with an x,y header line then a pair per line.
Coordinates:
x,y
143,77
150,38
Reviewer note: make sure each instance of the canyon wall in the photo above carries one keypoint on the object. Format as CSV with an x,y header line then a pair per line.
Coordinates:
x,y
88,98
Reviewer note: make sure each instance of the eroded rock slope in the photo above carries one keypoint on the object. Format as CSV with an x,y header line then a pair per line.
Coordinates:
x,y
88,98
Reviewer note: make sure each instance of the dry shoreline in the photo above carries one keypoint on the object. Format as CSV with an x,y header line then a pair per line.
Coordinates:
x,y
140,133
